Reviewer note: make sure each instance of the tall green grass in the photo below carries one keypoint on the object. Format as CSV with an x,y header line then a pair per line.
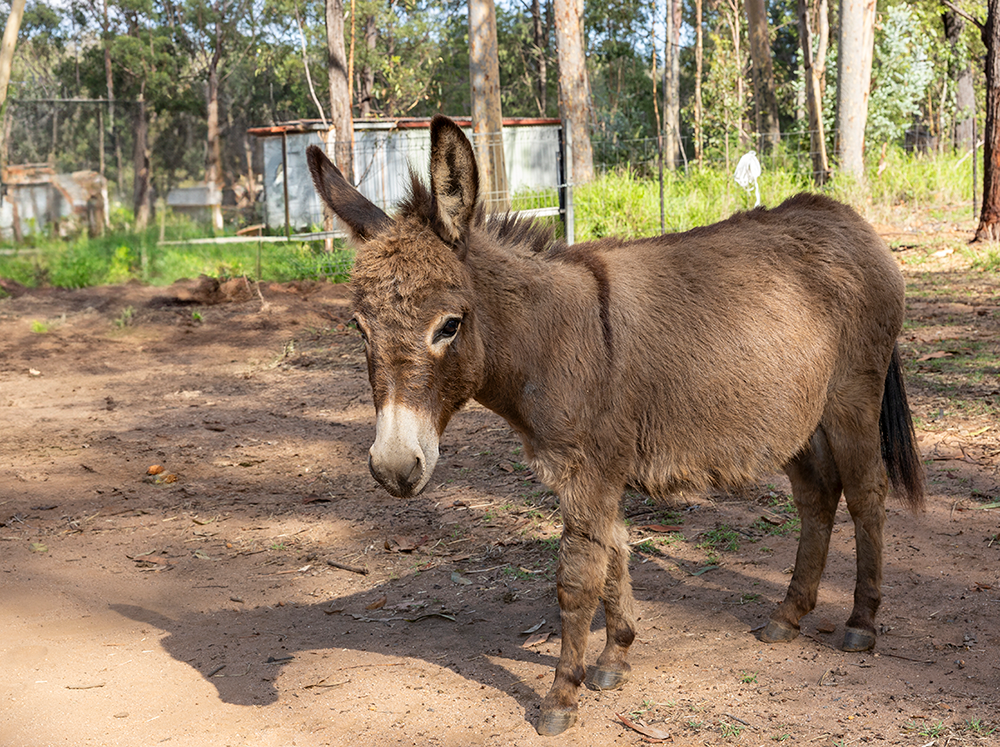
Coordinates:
x,y
619,203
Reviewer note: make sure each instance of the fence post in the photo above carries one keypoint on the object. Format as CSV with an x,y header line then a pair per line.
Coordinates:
x,y
284,181
565,180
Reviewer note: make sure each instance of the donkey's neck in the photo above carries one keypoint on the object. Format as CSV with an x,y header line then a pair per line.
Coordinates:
x,y
539,313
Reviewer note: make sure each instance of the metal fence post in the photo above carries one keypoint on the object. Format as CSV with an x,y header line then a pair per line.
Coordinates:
x,y
566,180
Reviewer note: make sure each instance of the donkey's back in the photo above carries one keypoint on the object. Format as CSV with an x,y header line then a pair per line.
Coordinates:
x,y
732,342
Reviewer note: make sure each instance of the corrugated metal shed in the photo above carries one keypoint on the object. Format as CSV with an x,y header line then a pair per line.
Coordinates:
x,y
384,152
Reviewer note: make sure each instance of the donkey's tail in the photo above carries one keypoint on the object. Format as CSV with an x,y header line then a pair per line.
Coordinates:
x,y
899,442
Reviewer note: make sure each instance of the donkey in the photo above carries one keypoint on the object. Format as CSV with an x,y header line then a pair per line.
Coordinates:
x,y
708,358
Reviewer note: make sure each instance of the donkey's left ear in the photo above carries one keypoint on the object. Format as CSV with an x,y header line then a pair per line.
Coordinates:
x,y
454,178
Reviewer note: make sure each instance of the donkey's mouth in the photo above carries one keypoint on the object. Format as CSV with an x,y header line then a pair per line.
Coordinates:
x,y
397,483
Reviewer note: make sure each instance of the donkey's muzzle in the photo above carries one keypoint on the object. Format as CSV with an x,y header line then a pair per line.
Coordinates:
x,y
405,451
402,478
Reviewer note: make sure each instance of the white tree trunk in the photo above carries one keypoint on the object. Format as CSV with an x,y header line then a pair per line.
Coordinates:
x,y
574,86
341,119
487,120
854,67
7,47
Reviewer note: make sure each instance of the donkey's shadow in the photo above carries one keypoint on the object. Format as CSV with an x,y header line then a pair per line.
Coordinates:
x,y
242,652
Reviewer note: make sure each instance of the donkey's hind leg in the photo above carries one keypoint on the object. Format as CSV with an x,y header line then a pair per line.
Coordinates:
x,y
866,485
612,668
816,488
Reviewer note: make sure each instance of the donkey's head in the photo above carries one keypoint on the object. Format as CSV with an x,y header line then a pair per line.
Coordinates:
x,y
414,304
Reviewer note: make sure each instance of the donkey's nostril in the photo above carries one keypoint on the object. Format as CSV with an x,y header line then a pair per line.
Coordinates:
x,y
417,472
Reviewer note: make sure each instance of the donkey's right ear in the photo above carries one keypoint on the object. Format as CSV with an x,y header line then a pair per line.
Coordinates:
x,y
360,215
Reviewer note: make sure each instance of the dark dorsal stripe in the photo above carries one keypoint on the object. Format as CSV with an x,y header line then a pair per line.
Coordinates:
x,y
588,258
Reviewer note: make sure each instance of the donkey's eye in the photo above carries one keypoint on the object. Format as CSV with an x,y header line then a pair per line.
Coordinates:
x,y
448,330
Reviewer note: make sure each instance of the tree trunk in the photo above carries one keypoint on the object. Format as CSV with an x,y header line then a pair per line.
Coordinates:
x,y
765,98
733,17
487,121
110,83
213,163
251,178
7,46
341,120
574,86
854,63
961,75
141,204
989,218
671,86
367,71
821,16
699,64
541,50
814,98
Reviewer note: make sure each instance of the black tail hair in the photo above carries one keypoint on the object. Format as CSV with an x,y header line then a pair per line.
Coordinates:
x,y
899,442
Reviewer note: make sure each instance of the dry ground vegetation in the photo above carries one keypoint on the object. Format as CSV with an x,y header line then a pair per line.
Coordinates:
x,y
193,552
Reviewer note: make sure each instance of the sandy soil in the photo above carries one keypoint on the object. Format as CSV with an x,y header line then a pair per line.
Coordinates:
x,y
201,605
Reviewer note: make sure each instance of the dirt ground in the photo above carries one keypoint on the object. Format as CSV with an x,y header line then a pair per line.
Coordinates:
x,y
262,590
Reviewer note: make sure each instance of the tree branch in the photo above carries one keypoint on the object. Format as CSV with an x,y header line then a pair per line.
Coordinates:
x,y
966,15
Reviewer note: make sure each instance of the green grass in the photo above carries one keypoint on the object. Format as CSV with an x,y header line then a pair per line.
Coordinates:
x,y
121,256
987,260
721,538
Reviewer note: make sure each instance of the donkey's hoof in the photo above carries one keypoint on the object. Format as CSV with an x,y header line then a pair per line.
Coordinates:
x,y
858,639
778,632
605,678
555,721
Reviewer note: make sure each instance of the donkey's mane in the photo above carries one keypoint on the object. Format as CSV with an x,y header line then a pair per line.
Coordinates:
x,y
509,229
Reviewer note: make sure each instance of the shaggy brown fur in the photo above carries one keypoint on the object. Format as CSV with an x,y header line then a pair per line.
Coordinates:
x,y
709,358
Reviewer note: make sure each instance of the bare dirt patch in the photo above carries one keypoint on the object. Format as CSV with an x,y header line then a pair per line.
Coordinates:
x,y
260,589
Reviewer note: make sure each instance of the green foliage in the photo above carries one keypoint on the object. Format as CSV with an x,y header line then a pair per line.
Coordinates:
x,y
901,73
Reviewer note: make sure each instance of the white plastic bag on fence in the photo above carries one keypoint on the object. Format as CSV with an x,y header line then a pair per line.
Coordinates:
x,y
747,171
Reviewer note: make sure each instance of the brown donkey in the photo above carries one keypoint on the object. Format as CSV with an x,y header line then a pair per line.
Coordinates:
x,y
708,358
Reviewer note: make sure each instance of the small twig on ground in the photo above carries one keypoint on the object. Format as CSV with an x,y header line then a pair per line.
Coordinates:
x,y
264,305
346,567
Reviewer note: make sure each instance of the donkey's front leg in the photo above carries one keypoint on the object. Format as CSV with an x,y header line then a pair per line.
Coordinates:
x,y
612,669
583,564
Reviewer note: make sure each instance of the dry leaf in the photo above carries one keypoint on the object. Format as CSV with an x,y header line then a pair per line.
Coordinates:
x,y
654,733
825,626
935,355
404,544
377,604
662,527
535,640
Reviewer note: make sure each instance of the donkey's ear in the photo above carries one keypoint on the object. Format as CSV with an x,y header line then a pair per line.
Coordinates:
x,y
454,178
362,217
